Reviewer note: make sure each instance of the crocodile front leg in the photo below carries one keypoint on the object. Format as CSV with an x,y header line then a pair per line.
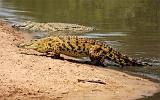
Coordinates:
x,y
96,55
55,52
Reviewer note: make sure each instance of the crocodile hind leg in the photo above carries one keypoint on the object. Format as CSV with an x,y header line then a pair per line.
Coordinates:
x,y
96,55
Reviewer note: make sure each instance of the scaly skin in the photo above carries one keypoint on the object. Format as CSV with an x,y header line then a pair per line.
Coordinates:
x,y
80,47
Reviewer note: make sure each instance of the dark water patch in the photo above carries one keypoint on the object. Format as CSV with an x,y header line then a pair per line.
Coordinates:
x,y
154,97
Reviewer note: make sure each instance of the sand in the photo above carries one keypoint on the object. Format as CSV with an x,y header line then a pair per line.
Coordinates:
x,y
43,78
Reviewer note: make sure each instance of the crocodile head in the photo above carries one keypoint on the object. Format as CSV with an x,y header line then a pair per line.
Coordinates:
x,y
37,45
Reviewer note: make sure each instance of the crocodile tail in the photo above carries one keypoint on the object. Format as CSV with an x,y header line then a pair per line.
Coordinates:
x,y
122,59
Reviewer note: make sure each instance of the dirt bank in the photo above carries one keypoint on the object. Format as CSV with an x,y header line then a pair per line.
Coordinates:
x,y
37,77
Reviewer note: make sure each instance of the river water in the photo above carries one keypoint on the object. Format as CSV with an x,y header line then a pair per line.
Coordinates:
x,y
130,26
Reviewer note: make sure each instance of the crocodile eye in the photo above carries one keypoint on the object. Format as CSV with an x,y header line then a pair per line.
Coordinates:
x,y
34,40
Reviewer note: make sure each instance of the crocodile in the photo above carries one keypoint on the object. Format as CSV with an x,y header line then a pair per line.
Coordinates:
x,y
75,46
52,27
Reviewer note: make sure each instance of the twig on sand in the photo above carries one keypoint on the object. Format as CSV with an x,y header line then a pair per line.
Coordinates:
x,y
91,81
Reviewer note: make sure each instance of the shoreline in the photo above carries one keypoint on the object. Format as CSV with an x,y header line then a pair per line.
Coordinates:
x,y
38,77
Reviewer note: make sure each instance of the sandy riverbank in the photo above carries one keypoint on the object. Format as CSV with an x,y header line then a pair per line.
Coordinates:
x,y
37,77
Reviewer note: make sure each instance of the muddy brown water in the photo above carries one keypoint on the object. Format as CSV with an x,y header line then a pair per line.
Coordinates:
x,y
130,26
